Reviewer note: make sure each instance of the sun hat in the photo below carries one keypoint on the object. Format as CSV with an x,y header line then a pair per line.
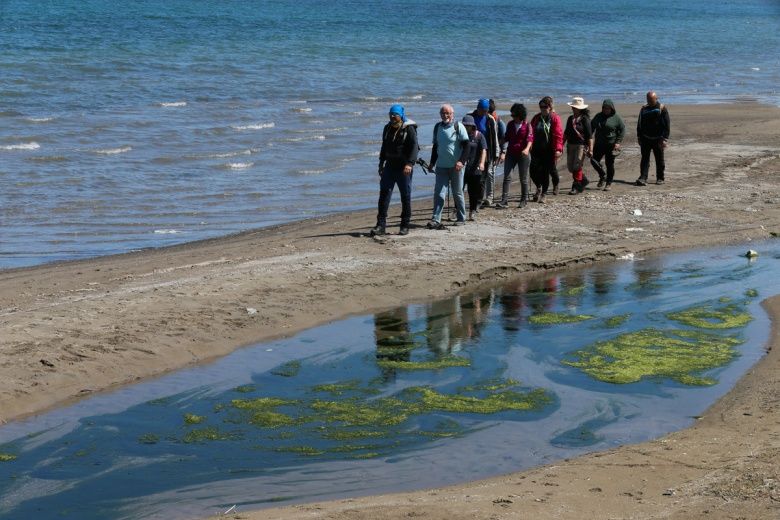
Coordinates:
x,y
578,103
468,121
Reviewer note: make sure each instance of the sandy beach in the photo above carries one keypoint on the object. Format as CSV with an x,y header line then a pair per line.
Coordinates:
x,y
73,329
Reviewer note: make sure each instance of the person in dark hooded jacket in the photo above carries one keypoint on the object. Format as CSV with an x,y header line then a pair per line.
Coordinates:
x,y
609,130
396,160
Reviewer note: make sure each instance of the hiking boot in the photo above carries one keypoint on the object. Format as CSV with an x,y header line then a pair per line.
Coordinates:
x,y
471,216
460,222
437,225
608,187
583,183
555,189
541,198
523,203
486,204
600,184
502,205
537,194
377,231
574,191
640,182
403,231
659,181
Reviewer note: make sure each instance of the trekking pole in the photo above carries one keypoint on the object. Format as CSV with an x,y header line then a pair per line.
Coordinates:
x,y
449,215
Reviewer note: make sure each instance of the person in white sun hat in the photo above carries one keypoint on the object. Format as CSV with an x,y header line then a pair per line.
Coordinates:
x,y
579,143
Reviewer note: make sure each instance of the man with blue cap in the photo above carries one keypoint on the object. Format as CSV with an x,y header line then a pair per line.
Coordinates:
x,y
396,159
489,125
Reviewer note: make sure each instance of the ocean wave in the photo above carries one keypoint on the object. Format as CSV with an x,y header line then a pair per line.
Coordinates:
x,y
299,139
10,113
239,165
301,109
114,151
258,126
326,130
22,146
170,104
166,231
312,172
40,119
49,158
224,155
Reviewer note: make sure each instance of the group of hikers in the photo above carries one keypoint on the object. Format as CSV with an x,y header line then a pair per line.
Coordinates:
x,y
467,153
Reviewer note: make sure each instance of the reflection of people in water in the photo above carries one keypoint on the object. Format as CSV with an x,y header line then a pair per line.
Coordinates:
x,y
394,341
648,276
452,322
512,301
541,293
602,284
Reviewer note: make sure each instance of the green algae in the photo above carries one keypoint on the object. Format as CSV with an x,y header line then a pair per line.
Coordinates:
x,y
555,318
490,385
7,457
351,435
308,451
371,455
445,362
149,438
383,412
431,400
727,316
614,322
289,369
191,418
751,293
262,411
649,353
245,389
343,387
206,434
573,291
349,448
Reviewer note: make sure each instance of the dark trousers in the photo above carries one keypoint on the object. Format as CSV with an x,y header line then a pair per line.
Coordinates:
x,y
654,145
391,176
604,150
474,187
543,169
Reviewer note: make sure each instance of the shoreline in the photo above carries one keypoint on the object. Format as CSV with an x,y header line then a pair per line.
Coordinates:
x,y
75,328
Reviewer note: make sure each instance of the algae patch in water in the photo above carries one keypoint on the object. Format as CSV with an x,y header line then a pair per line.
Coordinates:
x,y
7,457
555,318
262,411
751,293
149,438
445,362
206,434
430,400
354,412
649,353
614,322
245,389
191,418
726,316
289,369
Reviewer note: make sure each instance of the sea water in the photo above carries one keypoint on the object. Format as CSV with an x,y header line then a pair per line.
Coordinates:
x,y
189,444
142,124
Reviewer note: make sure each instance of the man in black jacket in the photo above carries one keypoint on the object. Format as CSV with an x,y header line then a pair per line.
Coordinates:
x,y
396,159
652,133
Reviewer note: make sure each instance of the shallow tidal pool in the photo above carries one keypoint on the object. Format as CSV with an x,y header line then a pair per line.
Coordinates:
x,y
485,383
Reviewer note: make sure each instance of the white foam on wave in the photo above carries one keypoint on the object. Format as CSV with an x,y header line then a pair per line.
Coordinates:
x,y
169,104
114,151
258,126
312,172
227,155
240,165
755,68
40,119
301,109
22,146
165,231
299,139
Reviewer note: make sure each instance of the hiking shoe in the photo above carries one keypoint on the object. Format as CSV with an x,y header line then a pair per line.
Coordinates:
x,y
584,183
523,203
486,204
640,182
377,231
541,198
403,231
460,222
600,184
608,187
502,205
537,195
659,181
574,191
471,216
555,189
437,225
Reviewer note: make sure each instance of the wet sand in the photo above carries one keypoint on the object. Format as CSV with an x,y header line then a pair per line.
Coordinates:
x,y
73,329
